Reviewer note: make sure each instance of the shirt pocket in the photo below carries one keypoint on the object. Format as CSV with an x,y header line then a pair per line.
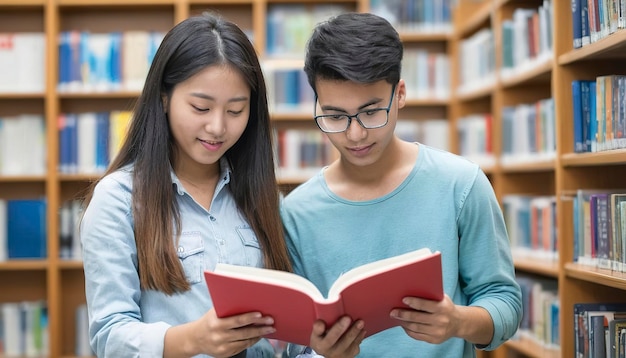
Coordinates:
x,y
191,255
251,247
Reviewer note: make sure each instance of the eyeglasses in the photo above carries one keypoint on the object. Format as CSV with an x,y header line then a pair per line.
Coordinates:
x,y
368,119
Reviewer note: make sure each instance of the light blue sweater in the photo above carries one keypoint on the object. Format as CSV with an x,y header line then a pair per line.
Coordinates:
x,y
446,204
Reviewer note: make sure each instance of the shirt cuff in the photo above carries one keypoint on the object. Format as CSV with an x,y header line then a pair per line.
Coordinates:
x,y
153,339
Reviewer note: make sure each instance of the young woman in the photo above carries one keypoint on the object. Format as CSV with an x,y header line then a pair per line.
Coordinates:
x,y
193,185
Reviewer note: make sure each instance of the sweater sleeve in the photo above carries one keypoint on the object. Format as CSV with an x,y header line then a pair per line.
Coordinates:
x,y
486,267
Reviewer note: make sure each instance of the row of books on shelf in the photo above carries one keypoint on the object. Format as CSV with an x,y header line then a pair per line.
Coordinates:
x,y
23,229
22,62
22,145
302,152
477,67
105,61
527,38
24,330
593,20
599,113
599,227
416,15
599,219
540,311
426,74
70,213
431,132
474,138
528,132
288,89
89,140
290,25
600,330
429,16
531,224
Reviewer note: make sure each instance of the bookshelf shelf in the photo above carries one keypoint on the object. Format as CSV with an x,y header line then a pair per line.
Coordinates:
x,y
534,166
290,117
539,72
435,102
70,265
99,95
479,92
24,265
609,157
548,268
22,178
115,3
415,36
22,3
531,348
22,95
612,46
595,275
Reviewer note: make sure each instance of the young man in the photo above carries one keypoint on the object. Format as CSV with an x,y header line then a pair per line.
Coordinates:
x,y
385,196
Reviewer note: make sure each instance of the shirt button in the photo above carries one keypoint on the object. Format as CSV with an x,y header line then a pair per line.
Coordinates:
x,y
181,249
212,217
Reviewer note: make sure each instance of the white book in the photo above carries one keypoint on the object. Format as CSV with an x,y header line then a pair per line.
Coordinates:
x,y
11,146
87,126
8,63
33,127
82,347
135,48
13,334
435,133
30,49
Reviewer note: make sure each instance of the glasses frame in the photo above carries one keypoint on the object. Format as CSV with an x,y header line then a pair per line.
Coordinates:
x,y
355,116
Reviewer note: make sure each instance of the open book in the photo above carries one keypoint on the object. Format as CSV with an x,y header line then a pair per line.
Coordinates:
x,y
368,292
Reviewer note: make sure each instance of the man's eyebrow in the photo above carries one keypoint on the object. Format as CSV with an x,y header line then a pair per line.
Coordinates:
x,y
337,109
205,96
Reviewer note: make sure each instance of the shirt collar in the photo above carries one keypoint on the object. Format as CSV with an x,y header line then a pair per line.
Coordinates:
x,y
225,173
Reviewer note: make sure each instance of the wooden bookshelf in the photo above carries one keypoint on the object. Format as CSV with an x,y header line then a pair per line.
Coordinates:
x,y
61,282
58,281
560,176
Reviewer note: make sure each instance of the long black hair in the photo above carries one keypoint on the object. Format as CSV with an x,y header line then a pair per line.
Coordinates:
x,y
189,47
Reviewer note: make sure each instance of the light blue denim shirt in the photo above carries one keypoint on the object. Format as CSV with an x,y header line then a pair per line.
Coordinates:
x,y
125,321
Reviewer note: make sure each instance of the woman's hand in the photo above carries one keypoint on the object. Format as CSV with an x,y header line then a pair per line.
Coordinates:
x,y
218,337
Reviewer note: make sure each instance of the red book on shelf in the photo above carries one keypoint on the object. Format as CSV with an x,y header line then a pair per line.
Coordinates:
x,y
368,292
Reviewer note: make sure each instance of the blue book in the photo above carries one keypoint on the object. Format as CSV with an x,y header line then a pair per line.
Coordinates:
x,y
585,100
576,22
63,144
584,21
577,115
593,115
26,228
102,141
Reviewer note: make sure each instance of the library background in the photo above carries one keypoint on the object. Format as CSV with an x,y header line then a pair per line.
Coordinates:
x,y
531,90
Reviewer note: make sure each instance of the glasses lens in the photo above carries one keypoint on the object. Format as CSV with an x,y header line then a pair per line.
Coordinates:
x,y
332,123
374,118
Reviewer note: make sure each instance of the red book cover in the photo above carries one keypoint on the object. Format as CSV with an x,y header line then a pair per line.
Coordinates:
x,y
367,292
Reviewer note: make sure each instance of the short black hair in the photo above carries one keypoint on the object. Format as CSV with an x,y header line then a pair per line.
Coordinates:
x,y
358,47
